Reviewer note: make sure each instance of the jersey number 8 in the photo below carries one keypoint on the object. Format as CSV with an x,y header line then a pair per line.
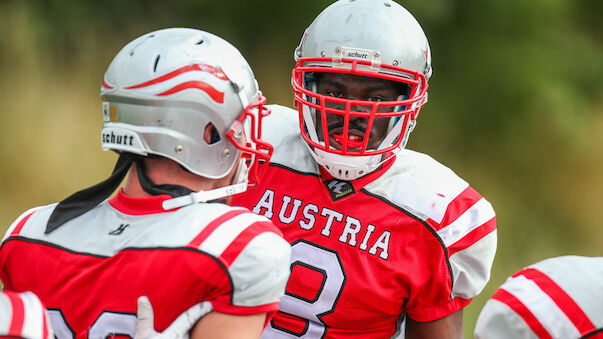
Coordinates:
x,y
328,264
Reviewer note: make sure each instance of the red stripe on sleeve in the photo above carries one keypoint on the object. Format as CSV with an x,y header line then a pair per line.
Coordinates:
x,y
459,205
473,237
20,225
518,307
238,244
45,323
571,309
195,243
16,324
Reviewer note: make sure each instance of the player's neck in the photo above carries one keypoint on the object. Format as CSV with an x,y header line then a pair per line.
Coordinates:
x,y
162,174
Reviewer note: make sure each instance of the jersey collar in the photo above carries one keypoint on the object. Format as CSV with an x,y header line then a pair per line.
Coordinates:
x,y
348,188
139,205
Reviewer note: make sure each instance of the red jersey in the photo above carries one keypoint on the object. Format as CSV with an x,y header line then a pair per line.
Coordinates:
x,y
22,315
559,297
90,271
409,238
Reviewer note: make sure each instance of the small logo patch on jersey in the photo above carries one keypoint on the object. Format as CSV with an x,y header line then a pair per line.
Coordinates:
x,y
339,188
119,230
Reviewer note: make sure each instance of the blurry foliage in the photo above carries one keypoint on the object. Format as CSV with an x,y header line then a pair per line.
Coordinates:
x,y
516,102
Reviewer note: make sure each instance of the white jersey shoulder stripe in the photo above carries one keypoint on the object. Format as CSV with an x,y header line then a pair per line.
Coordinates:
x,y
224,234
471,266
477,215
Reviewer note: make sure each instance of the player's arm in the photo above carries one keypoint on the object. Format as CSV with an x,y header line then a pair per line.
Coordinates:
x,y
179,329
227,326
200,322
449,327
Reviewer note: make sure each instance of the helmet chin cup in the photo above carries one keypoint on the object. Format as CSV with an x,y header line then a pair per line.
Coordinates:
x,y
346,167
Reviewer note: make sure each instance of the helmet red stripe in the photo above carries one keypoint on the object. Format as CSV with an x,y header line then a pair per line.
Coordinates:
x,y
185,69
216,95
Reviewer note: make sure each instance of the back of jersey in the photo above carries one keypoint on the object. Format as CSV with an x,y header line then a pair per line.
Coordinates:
x,y
90,271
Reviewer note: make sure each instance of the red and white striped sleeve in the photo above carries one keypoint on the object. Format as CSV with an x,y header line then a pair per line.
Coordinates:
x,y
468,231
557,298
22,315
463,221
256,256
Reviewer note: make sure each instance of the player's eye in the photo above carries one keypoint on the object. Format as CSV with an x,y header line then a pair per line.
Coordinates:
x,y
377,98
334,93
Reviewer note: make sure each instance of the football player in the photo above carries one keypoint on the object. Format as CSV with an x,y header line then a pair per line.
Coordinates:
x,y
558,297
379,233
183,110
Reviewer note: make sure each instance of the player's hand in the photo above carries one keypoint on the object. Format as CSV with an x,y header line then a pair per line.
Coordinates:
x,y
145,328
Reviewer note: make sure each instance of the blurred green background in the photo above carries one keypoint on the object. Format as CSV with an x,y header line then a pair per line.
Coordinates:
x,y
516,102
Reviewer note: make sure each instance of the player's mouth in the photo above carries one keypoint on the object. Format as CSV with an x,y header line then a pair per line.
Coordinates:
x,y
354,140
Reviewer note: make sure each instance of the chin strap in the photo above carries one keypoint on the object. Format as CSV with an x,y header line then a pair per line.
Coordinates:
x,y
153,189
239,185
204,196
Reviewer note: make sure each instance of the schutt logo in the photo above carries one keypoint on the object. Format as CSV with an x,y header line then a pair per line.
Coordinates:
x,y
357,55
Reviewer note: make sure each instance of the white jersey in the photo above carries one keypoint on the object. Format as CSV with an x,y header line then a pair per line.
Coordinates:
x,y
556,298
22,315
90,271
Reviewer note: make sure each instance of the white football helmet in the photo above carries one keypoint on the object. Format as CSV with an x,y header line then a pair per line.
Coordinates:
x,y
368,38
164,90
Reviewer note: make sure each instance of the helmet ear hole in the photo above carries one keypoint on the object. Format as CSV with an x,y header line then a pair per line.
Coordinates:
x,y
211,134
